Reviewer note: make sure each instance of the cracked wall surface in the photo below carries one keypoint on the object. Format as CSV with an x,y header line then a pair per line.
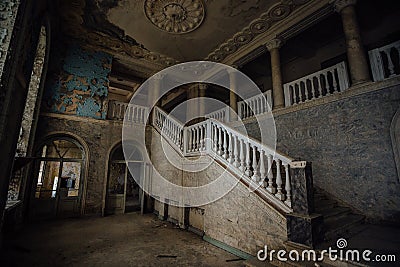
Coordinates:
x,y
78,83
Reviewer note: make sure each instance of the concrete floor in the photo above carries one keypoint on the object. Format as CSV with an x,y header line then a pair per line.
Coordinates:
x,y
121,240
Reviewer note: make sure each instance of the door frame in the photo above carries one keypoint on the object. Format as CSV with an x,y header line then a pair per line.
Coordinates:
x,y
81,144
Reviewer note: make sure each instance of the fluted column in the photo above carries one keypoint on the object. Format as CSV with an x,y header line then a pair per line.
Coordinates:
x,y
277,87
356,56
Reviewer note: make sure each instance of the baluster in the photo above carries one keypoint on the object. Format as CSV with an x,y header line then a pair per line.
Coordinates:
x,y
198,145
225,152
176,140
236,152
255,176
313,87
306,89
270,176
292,95
248,160
296,94
201,137
215,138
262,169
189,144
194,143
391,67
335,89
242,156
288,189
219,141
279,194
231,158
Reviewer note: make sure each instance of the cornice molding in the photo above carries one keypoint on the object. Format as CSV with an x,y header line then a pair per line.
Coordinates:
x,y
298,15
276,13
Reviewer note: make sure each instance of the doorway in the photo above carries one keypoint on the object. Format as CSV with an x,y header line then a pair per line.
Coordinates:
x,y
123,192
59,179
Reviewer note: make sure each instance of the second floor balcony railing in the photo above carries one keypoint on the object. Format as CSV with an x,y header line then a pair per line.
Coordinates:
x,y
134,113
385,61
319,84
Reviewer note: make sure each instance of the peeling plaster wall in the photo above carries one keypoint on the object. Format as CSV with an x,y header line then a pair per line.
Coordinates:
x,y
8,14
77,83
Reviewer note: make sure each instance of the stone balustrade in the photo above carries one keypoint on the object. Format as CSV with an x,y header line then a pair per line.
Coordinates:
x,y
385,61
255,105
169,127
319,84
132,113
262,168
221,115
196,138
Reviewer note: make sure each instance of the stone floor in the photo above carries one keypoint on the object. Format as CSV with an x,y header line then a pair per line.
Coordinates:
x,y
123,240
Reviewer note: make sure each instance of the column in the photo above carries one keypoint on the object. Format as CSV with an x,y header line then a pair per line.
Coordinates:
x,y
232,95
193,109
154,92
355,51
277,88
202,94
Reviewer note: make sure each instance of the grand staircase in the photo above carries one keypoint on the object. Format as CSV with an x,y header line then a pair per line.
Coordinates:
x,y
315,219
340,221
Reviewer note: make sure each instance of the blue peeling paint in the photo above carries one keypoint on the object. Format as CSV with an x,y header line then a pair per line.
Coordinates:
x,y
89,108
80,87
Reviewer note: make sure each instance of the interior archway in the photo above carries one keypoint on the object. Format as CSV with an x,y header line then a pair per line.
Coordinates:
x,y
123,192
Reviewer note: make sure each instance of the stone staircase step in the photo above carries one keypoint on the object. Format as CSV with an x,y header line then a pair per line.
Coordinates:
x,y
342,226
335,211
322,205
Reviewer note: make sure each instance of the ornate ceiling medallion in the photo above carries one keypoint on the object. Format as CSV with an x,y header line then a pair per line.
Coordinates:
x,y
175,16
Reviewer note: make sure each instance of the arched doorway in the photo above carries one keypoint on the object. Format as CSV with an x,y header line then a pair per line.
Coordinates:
x,y
123,192
58,186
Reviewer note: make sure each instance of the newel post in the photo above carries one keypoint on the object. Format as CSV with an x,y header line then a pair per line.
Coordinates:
x,y
304,227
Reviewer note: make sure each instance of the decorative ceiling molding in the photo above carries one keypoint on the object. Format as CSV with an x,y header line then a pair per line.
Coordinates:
x,y
175,16
75,29
276,13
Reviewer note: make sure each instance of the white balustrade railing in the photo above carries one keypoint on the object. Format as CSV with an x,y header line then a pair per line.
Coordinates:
x,y
195,139
260,166
169,127
134,113
221,114
319,84
255,105
385,61
257,163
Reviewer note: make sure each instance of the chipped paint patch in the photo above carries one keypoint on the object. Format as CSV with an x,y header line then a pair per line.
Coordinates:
x,y
79,86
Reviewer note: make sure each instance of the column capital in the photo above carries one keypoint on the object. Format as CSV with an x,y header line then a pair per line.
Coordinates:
x,y
340,4
274,44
